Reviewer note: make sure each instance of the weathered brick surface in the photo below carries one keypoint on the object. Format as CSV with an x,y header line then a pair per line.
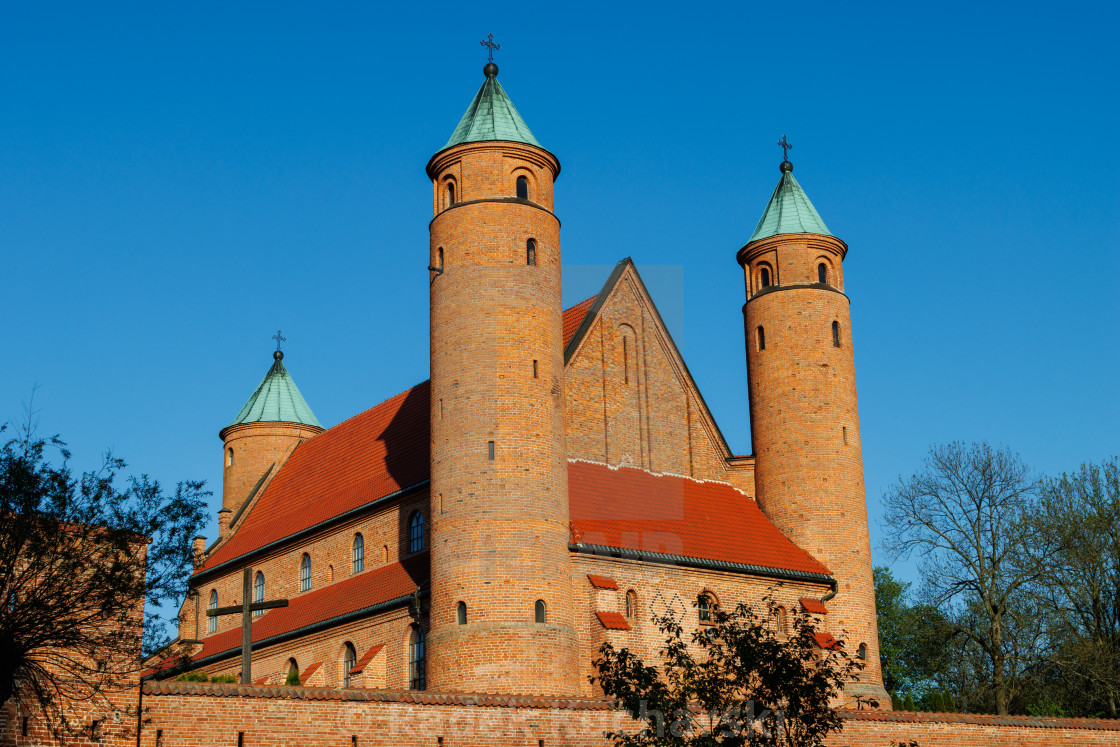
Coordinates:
x,y
314,717
500,525
805,424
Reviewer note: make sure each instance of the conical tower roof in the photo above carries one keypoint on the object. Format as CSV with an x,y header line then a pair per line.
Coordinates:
x,y
277,399
789,210
491,116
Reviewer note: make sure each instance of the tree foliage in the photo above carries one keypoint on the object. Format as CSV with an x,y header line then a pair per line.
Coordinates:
x,y
914,641
964,514
735,681
79,559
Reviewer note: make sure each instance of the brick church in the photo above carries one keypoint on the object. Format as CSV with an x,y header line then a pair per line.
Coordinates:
x,y
559,480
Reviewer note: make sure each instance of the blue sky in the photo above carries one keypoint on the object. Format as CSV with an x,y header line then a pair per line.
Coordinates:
x,y
177,181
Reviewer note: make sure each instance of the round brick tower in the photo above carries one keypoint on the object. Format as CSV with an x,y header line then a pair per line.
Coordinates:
x,y
274,420
804,417
501,617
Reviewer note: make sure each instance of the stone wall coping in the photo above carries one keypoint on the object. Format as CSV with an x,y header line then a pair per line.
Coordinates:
x,y
982,719
418,697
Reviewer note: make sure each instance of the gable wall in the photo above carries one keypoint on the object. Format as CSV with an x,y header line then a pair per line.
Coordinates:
x,y
630,401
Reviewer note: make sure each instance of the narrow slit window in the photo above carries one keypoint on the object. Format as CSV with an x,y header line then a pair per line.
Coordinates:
x,y
822,273
439,258
764,278
359,554
540,611
836,334
212,623
450,194
531,252
229,459
761,338
534,369
417,679
844,430
416,532
522,188
625,362
461,613
258,592
305,573
490,450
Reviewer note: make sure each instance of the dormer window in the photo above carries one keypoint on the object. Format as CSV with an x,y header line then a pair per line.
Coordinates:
x,y
522,188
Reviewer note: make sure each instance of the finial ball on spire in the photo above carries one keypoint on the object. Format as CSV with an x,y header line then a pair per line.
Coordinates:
x,y
786,167
490,70
278,355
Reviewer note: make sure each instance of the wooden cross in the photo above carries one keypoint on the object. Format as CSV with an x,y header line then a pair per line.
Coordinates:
x,y
246,610
493,45
786,147
279,339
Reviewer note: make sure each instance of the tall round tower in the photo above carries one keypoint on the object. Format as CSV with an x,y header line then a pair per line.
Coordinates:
x,y
501,617
804,417
274,420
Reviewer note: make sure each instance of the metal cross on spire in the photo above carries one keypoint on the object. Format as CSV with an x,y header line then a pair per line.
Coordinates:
x,y
491,45
786,148
279,339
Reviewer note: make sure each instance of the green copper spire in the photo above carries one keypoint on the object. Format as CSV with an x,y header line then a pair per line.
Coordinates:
x,y
789,210
491,116
277,398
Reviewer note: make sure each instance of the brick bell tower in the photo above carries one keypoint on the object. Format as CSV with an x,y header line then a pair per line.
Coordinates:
x,y
501,617
804,417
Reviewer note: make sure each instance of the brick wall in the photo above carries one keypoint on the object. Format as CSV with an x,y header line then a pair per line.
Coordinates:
x,y
188,715
255,447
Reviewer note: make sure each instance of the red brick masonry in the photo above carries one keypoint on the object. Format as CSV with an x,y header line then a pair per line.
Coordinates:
x,y
190,714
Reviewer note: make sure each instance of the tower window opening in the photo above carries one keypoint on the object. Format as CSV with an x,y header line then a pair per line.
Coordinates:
x,y
761,338
417,679
305,573
450,194
540,612
534,368
490,450
358,553
836,334
212,623
861,652
416,532
531,252
844,431
229,458
240,739
461,613
764,278
349,661
822,273
522,188
625,362
258,592
292,679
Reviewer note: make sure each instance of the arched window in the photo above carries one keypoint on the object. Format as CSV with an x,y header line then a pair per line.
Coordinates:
x,y
861,652
836,334
541,612
780,619
764,278
212,623
416,532
531,252
761,338
384,553
631,604
461,613
359,554
450,194
349,661
292,680
305,572
229,458
704,608
522,188
822,273
416,675
258,592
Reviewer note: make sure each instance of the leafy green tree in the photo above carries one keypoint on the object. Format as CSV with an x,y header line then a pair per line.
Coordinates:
x,y
913,643
79,559
736,682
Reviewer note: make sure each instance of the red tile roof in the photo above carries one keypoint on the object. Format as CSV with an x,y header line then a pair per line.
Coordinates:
x,y
637,510
305,675
613,621
367,657
261,681
601,582
573,317
826,640
813,605
369,456
350,595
